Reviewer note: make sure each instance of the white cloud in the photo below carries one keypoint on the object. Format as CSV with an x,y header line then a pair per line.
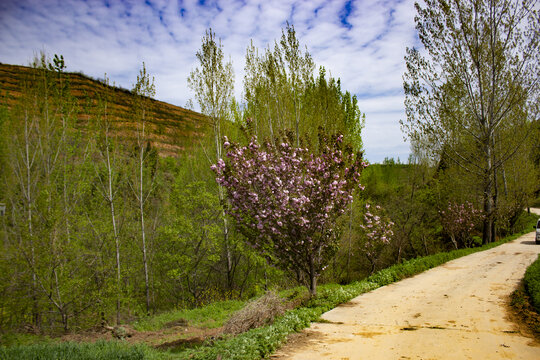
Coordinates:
x,y
362,42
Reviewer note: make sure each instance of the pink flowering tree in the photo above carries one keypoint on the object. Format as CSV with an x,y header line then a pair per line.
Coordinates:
x,y
377,233
286,200
458,220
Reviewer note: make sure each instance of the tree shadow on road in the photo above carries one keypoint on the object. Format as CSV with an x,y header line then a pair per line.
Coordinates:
x,y
528,242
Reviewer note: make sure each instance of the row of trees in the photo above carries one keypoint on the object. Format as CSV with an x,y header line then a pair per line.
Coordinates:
x,y
72,191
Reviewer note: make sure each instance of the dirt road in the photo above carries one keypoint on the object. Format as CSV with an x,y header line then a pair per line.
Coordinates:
x,y
456,311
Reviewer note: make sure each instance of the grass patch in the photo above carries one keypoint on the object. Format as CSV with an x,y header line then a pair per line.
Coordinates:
x,y
211,316
523,309
75,351
531,281
13,339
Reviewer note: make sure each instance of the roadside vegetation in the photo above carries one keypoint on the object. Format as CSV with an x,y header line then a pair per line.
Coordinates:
x,y
525,300
532,284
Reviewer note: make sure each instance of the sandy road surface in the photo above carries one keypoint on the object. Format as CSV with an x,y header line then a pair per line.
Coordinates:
x,y
456,311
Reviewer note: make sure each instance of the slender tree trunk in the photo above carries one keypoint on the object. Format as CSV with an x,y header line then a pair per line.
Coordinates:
x,y
372,268
495,206
312,277
141,210
296,118
110,199
270,120
28,161
488,195
145,262
221,195
349,246
486,228
453,238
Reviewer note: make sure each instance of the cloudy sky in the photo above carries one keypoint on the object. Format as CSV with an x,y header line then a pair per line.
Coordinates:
x,y
360,41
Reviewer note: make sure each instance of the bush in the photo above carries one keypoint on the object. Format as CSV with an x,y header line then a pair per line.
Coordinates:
x,y
532,283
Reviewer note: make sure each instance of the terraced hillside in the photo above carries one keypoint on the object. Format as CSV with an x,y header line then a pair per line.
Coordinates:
x,y
172,129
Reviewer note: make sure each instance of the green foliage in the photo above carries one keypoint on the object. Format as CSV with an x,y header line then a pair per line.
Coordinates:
x,y
532,283
210,316
470,98
282,93
411,195
89,200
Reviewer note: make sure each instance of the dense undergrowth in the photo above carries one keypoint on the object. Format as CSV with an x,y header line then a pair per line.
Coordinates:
x,y
260,342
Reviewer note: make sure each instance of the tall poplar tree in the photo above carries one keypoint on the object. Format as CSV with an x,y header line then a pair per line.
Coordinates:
x,y
282,93
108,177
143,186
213,83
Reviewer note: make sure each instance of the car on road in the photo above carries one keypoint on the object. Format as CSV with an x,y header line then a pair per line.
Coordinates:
x,y
538,232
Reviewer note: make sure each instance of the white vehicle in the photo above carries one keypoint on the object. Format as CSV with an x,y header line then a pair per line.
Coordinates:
x,y
538,232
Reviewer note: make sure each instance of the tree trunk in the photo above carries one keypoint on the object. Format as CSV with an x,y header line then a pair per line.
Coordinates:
x,y
453,238
227,249
487,223
141,210
488,196
349,246
110,199
312,277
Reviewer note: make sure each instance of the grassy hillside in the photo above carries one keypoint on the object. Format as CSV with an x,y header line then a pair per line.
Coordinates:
x,y
173,129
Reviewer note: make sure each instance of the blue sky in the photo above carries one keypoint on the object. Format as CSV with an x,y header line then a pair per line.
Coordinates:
x,y
360,41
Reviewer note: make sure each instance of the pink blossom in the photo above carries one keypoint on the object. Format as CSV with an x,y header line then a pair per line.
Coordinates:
x,y
268,185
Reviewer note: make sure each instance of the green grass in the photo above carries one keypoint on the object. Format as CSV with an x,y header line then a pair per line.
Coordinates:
x,y
75,351
13,339
532,283
211,316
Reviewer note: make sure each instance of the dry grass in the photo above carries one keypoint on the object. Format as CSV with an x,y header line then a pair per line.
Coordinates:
x,y
256,313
